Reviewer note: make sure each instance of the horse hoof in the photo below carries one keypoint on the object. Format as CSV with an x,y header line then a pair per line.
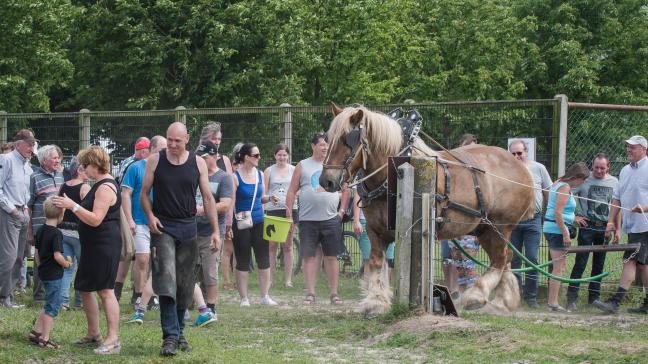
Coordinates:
x,y
474,306
370,315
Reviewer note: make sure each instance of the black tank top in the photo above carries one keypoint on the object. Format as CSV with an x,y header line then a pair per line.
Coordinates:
x,y
70,220
174,188
220,162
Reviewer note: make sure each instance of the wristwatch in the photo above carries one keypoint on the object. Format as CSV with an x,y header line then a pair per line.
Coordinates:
x,y
76,208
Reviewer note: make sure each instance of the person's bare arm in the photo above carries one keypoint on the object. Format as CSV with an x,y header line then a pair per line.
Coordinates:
x,y
562,195
126,195
291,194
105,197
614,221
209,204
151,165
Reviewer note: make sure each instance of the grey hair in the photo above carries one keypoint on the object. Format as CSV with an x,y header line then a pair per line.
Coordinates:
x,y
155,140
236,150
45,151
524,144
210,129
73,167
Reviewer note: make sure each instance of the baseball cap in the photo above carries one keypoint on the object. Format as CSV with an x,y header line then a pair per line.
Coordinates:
x,y
142,144
638,140
25,135
207,148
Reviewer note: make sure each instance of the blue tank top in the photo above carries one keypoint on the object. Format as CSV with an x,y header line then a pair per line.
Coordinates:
x,y
244,197
568,214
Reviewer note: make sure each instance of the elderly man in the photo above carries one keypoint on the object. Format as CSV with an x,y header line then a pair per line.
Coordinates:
x,y
14,218
527,234
142,147
631,192
175,174
44,182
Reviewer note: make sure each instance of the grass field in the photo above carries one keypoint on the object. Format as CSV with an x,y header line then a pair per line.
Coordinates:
x,y
323,333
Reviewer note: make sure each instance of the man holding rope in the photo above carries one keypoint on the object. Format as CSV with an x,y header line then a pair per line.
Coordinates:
x,y
629,196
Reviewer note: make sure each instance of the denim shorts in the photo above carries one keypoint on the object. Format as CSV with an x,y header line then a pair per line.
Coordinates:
x,y
555,241
53,297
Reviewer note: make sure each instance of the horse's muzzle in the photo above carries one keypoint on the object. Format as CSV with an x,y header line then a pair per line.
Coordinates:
x,y
330,180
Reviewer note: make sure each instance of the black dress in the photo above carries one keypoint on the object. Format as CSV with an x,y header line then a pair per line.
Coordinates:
x,y
100,246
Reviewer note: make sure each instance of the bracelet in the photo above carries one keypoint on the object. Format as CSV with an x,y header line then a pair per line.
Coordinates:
x,y
76,208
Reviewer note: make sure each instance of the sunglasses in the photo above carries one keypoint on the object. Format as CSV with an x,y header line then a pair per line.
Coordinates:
x,y
257,156
517,153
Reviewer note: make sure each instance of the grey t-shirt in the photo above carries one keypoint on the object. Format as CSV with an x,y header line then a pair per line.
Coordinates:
x,y
220,184
541,180
632,190
315,204
599,190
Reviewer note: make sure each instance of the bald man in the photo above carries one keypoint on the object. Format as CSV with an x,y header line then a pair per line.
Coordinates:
x,y
175,174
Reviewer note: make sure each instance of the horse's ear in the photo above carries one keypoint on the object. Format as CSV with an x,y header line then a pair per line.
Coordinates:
x,y
335,109
356,118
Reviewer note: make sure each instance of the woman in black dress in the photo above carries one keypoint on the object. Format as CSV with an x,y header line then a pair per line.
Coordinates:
x,y
99,232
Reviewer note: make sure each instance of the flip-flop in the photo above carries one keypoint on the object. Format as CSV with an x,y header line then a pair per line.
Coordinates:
x,y
48,344
309,300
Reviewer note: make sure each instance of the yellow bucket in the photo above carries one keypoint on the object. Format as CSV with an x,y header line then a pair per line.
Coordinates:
x,y
276,228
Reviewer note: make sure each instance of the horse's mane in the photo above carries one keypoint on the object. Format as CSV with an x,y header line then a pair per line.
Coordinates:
x,y
383,133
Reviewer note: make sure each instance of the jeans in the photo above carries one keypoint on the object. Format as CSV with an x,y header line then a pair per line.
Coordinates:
x,y
71,248
172,318
52,296
527,235
588,236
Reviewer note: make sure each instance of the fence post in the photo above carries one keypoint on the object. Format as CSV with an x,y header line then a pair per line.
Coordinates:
x,y
179,115
424,182
286,127
404,202
3,127
563,110
84,128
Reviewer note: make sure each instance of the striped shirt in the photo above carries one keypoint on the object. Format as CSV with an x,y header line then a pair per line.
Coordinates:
x,y
14,181
42,184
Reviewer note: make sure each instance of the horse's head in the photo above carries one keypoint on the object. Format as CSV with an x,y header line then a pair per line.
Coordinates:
x,y
346,140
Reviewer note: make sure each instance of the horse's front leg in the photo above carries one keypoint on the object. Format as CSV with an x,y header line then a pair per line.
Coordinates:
x,y
375,285
478,295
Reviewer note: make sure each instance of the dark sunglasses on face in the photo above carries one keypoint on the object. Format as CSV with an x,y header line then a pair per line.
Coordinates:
x,y
257,155
517,153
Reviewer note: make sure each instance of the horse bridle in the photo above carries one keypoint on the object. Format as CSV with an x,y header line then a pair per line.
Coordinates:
x,y
352,140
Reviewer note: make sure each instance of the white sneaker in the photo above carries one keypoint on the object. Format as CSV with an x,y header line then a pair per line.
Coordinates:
x,y
245,302
267,301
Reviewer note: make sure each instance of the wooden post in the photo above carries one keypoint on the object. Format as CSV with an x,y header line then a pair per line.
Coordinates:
x,y
84,128
404,202
286,127
424,182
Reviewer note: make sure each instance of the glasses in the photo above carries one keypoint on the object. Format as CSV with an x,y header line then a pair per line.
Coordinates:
x,y
257,156
517,153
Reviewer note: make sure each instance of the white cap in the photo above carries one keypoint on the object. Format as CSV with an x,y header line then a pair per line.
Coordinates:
x,y
638,140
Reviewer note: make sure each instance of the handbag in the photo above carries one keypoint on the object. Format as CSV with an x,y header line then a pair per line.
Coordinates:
x,y
245,220
128,242
573,232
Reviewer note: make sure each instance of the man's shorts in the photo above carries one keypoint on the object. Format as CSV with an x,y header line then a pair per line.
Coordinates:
x,y
638,238
327,233
142,239
209,261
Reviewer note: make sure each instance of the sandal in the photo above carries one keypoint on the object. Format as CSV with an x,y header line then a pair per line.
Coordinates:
x,y
107,349
88,340
336,300
48,344
34,337
309,300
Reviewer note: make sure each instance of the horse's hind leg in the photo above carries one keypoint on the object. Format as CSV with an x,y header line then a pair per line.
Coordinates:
x,y
375,286
477,295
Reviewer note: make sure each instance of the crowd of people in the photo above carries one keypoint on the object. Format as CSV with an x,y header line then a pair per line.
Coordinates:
x,y
195,214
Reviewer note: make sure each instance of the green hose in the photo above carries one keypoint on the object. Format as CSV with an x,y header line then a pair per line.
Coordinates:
x,y
482,264
532,266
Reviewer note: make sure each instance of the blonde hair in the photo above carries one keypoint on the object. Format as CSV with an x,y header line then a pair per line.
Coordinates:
x,y
50,210
96,156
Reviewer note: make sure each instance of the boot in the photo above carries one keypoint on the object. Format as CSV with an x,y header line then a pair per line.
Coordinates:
x,y
643,309
613,303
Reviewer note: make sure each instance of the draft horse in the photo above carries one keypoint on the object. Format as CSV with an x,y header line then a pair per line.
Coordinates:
x,y
485,196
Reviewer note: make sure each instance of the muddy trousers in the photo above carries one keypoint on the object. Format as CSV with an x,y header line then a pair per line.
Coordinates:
x,y
174,268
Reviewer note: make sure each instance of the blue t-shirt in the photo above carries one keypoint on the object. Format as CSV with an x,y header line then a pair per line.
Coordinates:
x,y
244,196
133,179
568,213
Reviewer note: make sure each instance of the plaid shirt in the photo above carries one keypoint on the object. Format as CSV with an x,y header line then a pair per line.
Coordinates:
x,y
42,185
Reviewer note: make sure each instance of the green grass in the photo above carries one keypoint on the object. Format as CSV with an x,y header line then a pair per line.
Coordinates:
x,y
325,333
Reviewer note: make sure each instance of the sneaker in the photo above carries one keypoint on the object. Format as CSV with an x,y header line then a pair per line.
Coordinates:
x,y
643,309
267,301
8,304
533,304
169,347
571,306
607,306
288,284
245,302
204,319
153,304
183,344
137,318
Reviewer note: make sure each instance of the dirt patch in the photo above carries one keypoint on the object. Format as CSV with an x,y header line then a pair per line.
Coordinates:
x,y
585,319
423,323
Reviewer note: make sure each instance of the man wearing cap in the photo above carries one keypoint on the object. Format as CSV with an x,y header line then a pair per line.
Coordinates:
x,y
130,194
142,151
220,184
631,192
15,170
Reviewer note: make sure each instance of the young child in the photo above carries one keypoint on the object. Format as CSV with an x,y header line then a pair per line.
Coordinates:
x,y
49,245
